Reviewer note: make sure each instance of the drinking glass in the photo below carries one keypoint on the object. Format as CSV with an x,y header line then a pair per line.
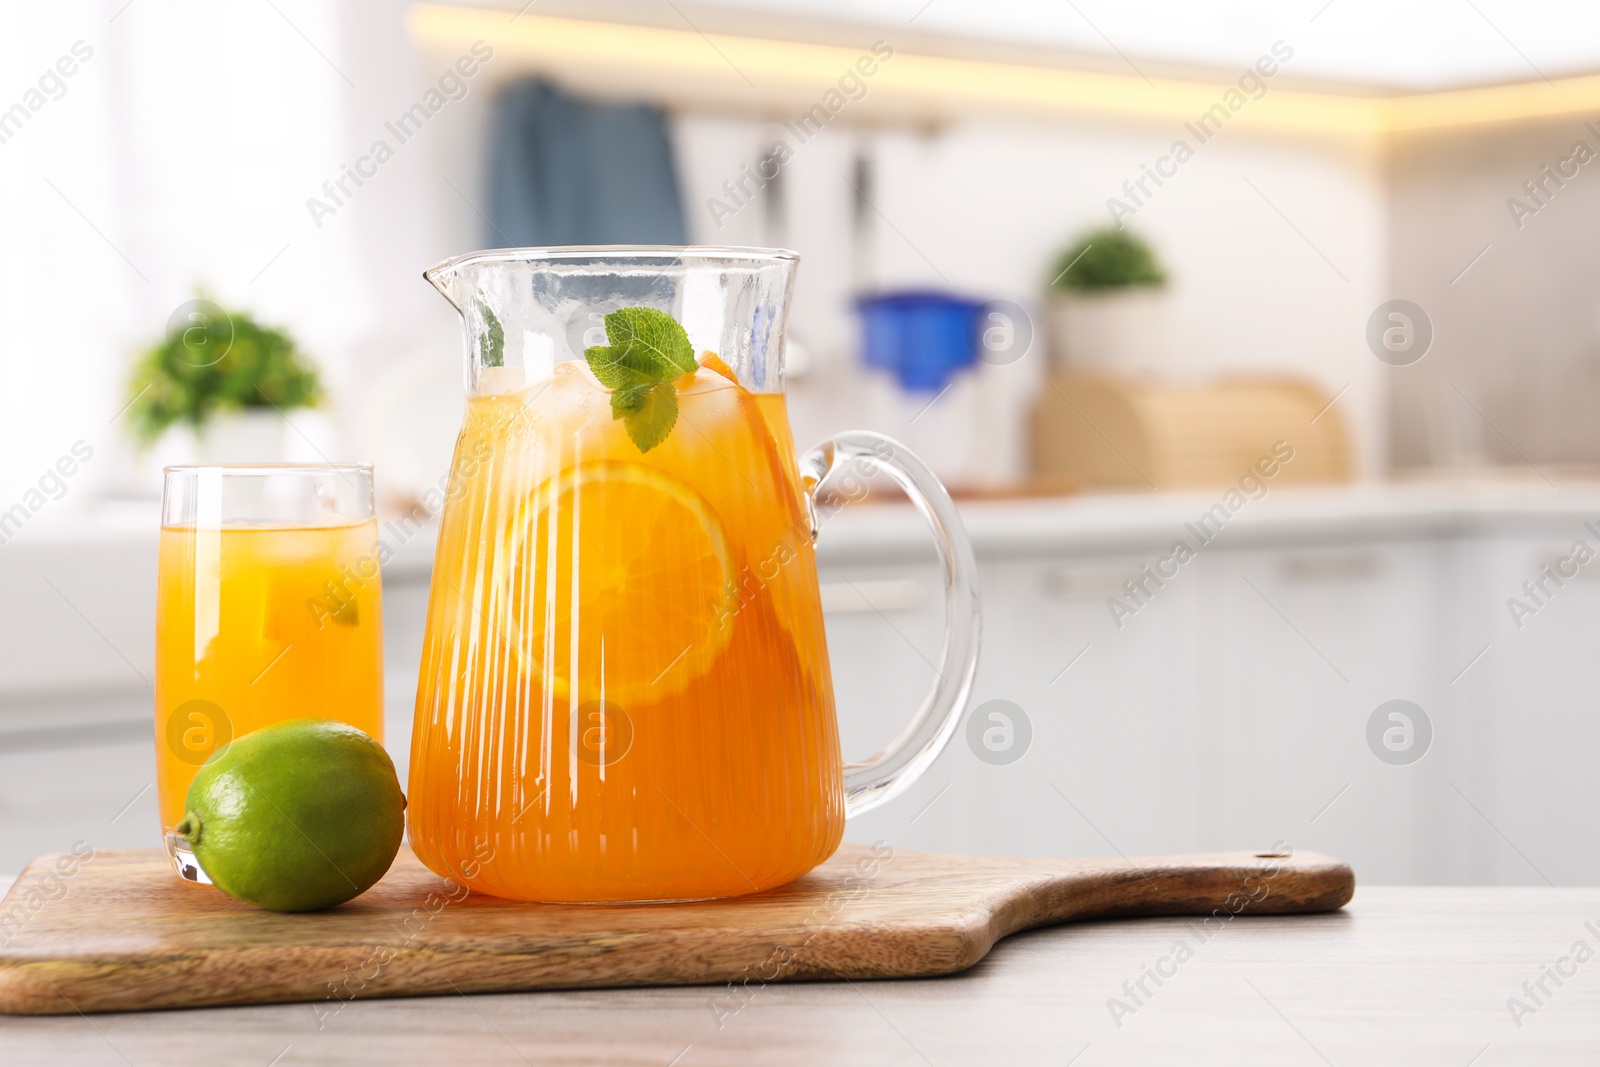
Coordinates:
x,y
267,609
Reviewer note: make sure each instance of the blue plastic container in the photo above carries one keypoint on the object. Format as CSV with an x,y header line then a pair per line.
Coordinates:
x,y
922,338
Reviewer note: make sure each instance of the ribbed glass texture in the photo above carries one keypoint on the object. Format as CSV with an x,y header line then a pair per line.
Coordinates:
x,y
624,692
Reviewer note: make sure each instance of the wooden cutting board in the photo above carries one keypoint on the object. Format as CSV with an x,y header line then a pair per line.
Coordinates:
x,y
120,932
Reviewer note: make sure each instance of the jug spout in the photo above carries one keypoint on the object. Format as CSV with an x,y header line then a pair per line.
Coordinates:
x,y
446,278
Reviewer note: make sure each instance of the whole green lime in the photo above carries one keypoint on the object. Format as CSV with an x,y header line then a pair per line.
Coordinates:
x,y
299,816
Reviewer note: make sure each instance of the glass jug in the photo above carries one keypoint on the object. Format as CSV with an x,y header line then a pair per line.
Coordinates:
x,y
624,692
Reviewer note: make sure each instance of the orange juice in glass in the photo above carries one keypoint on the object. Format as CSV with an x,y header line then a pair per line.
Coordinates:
x,y
268,608
624,691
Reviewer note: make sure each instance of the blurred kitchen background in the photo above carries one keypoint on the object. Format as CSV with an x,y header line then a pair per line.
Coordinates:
x,y
1307,288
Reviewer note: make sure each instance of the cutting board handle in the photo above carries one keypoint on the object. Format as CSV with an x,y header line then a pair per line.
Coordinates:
x,y
1220,885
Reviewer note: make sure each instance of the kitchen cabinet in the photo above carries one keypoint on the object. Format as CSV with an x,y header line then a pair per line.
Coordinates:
x,y
1230,710
1233,710
77,748
1112,711
1308,642
1536,709
80,779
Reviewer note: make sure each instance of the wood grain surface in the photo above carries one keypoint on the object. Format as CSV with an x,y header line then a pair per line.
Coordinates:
x,y
122,933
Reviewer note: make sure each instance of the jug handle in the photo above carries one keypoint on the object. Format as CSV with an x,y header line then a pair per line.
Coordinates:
x,y
875,780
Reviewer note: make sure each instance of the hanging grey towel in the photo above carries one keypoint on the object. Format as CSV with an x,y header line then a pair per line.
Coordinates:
x,y
566,171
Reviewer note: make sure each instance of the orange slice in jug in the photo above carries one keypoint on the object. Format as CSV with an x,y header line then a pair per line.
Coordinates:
x,y
619,580
713,362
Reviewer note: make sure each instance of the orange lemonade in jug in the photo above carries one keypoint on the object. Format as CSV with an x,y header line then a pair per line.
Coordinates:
x,y
624,690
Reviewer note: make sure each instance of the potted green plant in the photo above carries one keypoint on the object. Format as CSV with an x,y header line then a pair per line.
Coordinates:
x,y
1107,306
227,378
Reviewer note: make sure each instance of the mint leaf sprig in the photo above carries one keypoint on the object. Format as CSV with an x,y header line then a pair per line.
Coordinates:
x,y
492,341
648,350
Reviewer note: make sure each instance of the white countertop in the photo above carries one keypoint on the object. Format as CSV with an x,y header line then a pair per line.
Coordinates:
x,y
1097,521
1401,976
1113,521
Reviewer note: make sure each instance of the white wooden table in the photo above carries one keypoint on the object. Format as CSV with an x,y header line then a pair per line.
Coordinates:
x,y
1403,976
